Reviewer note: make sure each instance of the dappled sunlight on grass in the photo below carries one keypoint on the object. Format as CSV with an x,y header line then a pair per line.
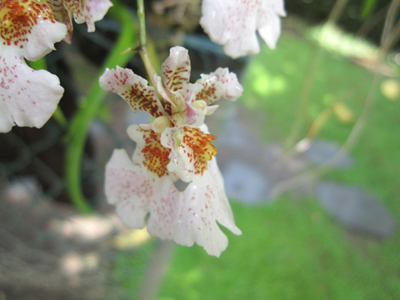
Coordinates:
x,y
292,248
332,38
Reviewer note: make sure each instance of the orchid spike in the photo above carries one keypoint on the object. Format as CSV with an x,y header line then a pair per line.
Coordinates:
x,y
176,145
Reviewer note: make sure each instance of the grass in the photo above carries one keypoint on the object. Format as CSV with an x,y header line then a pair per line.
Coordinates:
x,y
292,249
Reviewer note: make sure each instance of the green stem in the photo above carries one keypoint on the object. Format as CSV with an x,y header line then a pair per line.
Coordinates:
x,y
81,122
40,64
142,23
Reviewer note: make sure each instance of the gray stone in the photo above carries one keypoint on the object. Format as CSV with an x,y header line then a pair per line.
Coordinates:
x,y
320,151
357,209
245,183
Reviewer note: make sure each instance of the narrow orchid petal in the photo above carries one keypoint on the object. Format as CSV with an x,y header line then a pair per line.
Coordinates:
x,y
27,97
205,202
89,11
166,94
219,85
62,15
233,23
133,89
176,69
190,151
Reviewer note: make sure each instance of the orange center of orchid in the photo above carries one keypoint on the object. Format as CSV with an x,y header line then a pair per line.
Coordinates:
x,y
195,144
155,155
18,17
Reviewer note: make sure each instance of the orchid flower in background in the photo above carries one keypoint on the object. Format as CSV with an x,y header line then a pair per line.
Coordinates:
x,y
28,30
233,23
176,145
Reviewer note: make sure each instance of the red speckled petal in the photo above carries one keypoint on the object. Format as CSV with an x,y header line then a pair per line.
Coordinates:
x,y
27,97
176,69
133,89
149,152
204,203
233,23
219,85
190,151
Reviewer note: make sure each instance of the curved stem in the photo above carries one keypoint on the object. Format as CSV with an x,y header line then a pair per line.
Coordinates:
x,y
80,124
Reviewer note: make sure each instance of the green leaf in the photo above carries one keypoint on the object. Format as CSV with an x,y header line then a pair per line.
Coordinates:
x,y
80,124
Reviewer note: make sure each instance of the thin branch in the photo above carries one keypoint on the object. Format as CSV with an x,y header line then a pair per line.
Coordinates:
x,y
142,23
390,18
355,133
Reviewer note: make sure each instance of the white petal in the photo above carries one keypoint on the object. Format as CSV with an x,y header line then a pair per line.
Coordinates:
x,y
42,38
186,217
27,97
204,202
29,28
176,69
270,30
95,10
89,11
233,23
127,187
137,192
219,85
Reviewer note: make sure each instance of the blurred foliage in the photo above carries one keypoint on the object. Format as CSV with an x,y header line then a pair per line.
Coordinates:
x,y
355,14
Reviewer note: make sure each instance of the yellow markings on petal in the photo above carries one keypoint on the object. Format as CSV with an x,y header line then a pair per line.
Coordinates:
x,y
155,155
18,17
202,149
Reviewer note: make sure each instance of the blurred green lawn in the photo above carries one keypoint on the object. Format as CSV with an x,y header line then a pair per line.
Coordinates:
x,y
292,249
